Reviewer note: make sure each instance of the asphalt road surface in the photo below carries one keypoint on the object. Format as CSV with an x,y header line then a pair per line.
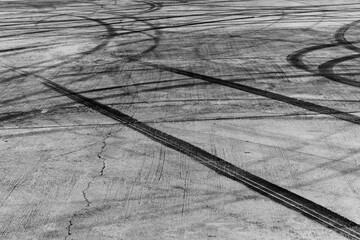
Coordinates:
x,y
179,119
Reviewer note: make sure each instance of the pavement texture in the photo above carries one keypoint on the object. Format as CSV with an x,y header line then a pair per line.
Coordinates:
x,y
179,119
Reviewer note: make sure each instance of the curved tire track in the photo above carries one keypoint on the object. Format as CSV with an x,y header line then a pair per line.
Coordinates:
x,y
340,36
327,69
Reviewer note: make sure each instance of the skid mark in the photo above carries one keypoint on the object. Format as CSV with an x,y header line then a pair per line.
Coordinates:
x,y
287,198
160,167
185,190
270,95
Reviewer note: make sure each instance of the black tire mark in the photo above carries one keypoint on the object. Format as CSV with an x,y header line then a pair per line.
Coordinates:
x,y
209,21
322,11
18,115
42,8
271,95
110,33
296,58
156,38
17,49
282,17
340,36
26,33
291,200
327,70
153,6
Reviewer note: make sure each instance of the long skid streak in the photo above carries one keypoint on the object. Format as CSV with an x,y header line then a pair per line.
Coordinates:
x,y
287,198
271,95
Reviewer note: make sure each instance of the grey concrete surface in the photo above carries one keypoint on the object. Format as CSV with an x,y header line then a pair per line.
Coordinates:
x,y
271,87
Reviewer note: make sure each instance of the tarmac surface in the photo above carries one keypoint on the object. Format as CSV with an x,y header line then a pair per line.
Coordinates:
x,y
179,119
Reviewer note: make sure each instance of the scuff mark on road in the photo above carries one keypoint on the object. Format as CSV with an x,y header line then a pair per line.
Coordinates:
x,y
185,190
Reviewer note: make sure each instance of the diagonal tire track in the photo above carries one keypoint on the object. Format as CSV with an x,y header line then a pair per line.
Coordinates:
x,y
287,198
270,95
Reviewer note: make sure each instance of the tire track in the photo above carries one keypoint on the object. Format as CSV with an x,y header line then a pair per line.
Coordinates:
x,y
296,58
326,69
291,200
340,36
270,95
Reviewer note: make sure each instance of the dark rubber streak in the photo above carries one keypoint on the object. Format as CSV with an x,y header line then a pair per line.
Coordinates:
x,y
275,96
15,49
291,200
296,58
340,36
327,70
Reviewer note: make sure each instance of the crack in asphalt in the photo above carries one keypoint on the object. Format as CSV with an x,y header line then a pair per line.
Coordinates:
x,y
69,227
88,202
100,153
84,192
